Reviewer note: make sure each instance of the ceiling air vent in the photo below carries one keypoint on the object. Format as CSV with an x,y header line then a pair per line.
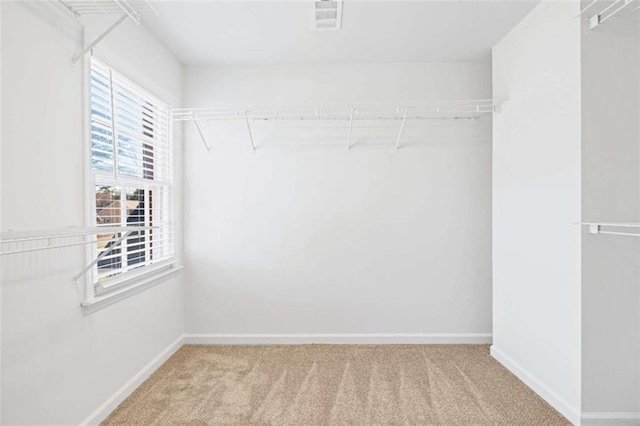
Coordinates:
x,y
327,15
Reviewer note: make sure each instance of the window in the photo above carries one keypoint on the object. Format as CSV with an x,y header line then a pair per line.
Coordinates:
x,y
131,158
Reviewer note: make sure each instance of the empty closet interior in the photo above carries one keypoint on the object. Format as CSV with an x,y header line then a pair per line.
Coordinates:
x,y
320,212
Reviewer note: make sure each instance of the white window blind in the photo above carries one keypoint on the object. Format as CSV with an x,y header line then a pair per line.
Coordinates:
x,y
131,156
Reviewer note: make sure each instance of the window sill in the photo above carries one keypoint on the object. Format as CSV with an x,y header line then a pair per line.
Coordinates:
x,y
140,284
131,278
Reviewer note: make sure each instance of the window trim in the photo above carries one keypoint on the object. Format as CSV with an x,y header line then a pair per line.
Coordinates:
x,y
144,282
125,279
134,281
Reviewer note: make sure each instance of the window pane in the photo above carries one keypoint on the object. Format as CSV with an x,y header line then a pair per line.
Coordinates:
x,y
101,148
122,207
102,152
108,213
130,161
100,96
108,209
136,216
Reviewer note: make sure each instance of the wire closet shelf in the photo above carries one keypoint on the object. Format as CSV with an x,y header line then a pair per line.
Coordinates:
x,y
600,11
111,237
445,109
13,242
132,8
429,110
128,9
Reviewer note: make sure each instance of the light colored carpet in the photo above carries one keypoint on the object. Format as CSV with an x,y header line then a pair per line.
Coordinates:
x,y
334,385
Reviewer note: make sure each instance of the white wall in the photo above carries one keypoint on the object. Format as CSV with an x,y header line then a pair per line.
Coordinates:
x,y
1,133
536,203
58,365
610,193
303,237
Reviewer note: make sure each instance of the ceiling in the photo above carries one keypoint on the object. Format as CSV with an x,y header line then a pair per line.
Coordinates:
x,y
260,32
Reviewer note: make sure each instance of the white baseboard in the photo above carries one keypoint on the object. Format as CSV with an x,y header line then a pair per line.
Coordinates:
x,y
353,339
610,419
537,386
121,394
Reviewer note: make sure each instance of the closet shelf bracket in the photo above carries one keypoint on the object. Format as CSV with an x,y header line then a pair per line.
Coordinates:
x,y
246,119
204,141
404,119
114,246
350,128
98,39
126,8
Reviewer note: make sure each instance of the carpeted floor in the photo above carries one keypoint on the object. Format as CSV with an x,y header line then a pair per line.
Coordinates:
x,y
334,385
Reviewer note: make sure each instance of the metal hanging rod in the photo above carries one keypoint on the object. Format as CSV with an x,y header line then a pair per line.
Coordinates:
x,y
597,228
601,11
429,110
128,9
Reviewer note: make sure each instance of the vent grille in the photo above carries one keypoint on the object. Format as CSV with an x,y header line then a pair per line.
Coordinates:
x,y
327,14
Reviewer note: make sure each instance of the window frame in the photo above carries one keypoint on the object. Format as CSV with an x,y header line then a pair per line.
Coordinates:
x,y
96,294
